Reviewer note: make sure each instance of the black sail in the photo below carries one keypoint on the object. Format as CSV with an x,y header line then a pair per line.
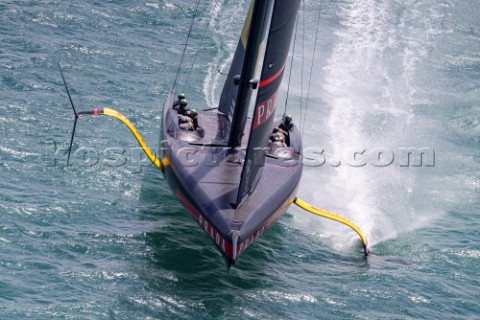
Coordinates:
x,y
236,92
230,90
259,22
280,34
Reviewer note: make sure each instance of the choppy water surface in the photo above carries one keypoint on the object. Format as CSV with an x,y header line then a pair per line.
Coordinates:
x,y
108,240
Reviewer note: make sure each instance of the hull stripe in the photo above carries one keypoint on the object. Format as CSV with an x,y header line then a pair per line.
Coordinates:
x,y
225,246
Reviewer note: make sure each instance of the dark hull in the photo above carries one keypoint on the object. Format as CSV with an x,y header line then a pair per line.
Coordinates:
x,y
206,183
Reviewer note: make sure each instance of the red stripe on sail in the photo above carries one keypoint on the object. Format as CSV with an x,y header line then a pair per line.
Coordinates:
x,y
272,78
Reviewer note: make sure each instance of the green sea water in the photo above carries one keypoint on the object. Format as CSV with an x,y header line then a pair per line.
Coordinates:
x,y
105,238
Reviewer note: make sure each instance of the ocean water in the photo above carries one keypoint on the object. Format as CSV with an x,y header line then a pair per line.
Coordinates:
x,y
106,239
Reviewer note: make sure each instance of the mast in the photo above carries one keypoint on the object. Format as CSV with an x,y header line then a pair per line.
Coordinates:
x,y
271,22
280,32
245,80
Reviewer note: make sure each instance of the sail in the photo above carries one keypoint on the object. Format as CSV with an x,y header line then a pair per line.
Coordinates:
x,y
279,38
259,23
230,90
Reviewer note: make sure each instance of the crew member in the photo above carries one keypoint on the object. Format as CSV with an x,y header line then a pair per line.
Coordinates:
x,y
286,124
278,142
193,114
176,104
277,132
182,108
185,122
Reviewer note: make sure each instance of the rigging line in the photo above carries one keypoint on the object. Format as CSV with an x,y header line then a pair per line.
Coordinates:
x,y
311,72
303,58
291,64
185,47
200,46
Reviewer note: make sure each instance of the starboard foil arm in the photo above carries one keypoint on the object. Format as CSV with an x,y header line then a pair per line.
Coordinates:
x,y
322,213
